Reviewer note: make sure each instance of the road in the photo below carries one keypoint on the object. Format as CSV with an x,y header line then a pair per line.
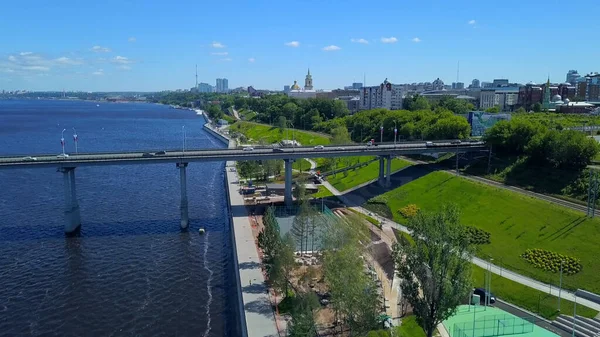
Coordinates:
x,y
249,153
543,287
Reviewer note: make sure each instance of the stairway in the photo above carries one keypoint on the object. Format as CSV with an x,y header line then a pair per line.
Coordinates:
x,y
584,327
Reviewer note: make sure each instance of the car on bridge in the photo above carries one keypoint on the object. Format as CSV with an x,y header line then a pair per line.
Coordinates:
x,y
276,149
148,154
319,147
428,143
29,158
160,153
248,148
62,156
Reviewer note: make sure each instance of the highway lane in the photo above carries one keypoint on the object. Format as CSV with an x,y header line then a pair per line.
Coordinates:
x,y
265,153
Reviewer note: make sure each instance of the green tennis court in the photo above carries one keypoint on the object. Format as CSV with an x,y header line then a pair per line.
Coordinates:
x,y
479,321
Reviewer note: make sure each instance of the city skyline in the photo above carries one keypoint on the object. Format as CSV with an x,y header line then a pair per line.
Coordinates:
x,y
125,50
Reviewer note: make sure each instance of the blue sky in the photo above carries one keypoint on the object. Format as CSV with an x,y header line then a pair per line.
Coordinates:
x,y
154,45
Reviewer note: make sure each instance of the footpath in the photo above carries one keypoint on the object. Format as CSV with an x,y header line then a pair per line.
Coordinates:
x,y
258,318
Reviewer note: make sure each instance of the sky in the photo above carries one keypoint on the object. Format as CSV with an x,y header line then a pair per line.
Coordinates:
x,y
154,45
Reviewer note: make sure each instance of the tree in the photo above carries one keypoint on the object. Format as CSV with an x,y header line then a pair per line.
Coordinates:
x,y
302,323
457,106
494,109
520,110
283,263
435,269
340,135
248,169
269,239
537,107
417,102
282,123
302,222
214,111
562,149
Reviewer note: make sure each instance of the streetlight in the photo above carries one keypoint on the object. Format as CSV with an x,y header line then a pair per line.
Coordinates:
x,y
62,141
395,132
560,284
381,129
183,129
75,139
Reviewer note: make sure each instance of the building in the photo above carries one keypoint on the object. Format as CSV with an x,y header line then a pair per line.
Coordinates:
x,y
286,88
205,87
590,88
572,77
475,84
307,92
437,85
386,95
505,98
357,85
458,85
222,85
352,102
502,82
576,107
333,94
529,95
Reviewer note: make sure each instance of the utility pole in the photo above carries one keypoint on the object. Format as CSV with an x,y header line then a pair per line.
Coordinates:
x,y
489,160
560,284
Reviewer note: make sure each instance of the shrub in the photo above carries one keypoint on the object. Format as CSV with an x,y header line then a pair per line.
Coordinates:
x,y
550,261
409,211
477,236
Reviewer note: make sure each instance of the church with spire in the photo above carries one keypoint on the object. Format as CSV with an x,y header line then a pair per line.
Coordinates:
x,y
306,92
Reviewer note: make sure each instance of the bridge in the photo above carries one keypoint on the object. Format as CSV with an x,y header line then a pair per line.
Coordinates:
x,y
68,164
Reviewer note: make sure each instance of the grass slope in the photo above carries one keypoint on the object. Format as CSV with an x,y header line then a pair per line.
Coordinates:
x,y
533,300
345,180
301,165
270,134
516,223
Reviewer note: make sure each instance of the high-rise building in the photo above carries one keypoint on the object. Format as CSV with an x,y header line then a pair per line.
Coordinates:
x,y
386,95
205,87
500,82
222,85
357,85
572,76
458,85
475,84
286,88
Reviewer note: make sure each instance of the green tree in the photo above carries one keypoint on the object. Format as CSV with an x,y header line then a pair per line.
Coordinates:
x,y
417,102
282,265
302,323
340,135
520,110
269,239
457,106
494,109
537,107
214,111
248,169
436,270
564,149
282,123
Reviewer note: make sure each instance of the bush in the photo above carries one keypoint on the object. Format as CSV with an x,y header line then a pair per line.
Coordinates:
x,y
477,236
409,211
550,261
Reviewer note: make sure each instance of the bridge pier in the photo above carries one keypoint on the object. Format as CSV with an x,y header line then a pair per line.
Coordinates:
x,y
388,177
185,221
72,215
381,180
287,199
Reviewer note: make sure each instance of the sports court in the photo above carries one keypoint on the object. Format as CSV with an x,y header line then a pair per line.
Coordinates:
x,y
490,322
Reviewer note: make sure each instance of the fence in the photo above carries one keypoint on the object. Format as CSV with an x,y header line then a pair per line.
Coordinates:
x,y
493,325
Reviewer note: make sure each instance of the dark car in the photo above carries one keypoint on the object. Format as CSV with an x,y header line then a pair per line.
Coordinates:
x,y
481,292
276,149
456,142
148,154
160,153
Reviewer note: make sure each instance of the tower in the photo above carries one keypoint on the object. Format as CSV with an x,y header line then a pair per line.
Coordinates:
x,y
196,77
308,85
546,100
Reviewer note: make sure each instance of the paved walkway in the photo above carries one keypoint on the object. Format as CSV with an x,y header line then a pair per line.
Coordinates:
x,y
546,288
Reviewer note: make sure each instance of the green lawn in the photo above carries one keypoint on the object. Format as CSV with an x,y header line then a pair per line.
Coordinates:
x,y
370,219
270,134
345,180
527,298
322,193
301,165
516,223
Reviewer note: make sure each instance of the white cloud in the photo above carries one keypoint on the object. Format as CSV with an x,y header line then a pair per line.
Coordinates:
x,y
251,60
121,60
331,48
292,44
68,61
36,68
217,45
98,72
363,41
227,59
27,62
100,49
25,53
472,22
12,58
131,39
389,39
224,53
416,39
124,67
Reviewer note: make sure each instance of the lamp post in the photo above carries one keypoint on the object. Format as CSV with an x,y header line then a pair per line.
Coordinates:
x,y
75,139
183,129
560,284
62,141
395,132
381,130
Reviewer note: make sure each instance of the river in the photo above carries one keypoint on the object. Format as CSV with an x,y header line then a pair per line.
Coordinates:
x,y
131,271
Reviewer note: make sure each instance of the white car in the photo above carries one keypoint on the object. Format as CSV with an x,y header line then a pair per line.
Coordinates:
x,y
29,158
319,147
62,155
248,149
428,143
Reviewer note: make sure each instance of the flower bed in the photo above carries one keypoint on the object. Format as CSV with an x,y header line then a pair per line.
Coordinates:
x,y
550,261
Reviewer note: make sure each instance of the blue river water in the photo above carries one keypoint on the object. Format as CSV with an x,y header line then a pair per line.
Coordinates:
x,y
131,271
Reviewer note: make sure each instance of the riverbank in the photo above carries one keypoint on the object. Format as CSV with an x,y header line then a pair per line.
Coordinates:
x,y
254,314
